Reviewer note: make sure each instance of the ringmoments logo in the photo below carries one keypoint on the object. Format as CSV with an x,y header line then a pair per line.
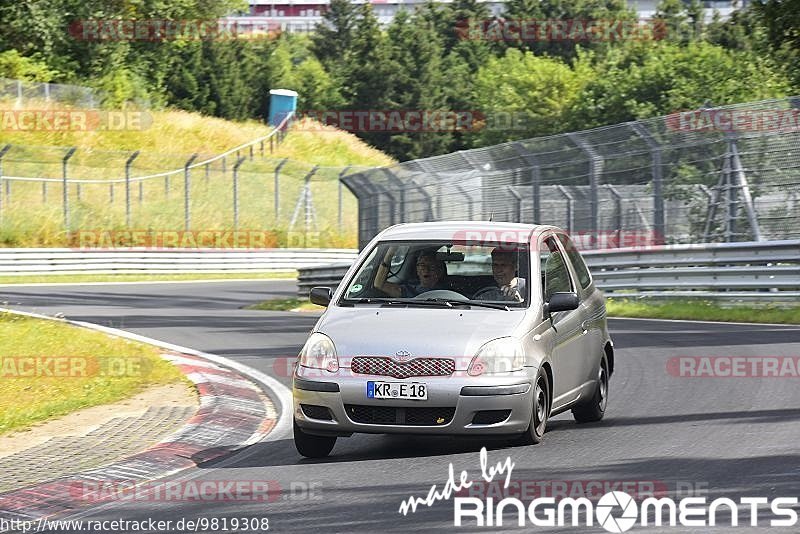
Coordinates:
x,y
615,511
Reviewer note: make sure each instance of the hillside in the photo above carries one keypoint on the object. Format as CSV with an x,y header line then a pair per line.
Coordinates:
x,y
33,214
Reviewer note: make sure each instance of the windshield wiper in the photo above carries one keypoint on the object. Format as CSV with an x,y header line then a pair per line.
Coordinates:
x,y
450,302
397,302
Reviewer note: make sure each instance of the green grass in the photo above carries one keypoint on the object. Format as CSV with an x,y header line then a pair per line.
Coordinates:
x,y
33,216
98,369
682,309
701,310
285,305
84,278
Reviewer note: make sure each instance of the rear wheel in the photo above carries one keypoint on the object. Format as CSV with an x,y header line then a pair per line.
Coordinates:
x,y
312,446
594,409
540,411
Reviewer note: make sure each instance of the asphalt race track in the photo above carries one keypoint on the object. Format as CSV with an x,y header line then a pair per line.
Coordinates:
x,y
724,437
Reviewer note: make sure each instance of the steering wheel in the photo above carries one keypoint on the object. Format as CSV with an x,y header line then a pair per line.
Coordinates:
x,y
486,290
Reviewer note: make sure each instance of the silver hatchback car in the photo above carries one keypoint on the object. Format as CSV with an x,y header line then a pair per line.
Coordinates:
x,y
458,328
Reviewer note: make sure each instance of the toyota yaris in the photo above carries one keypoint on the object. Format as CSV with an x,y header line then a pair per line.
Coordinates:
x,y
459,328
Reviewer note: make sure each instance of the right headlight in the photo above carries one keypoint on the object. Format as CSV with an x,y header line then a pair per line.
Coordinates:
x,y
319,353
502,355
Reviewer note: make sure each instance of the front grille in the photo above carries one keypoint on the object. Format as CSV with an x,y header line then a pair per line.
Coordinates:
x,y
383,366
490,417
317,412
385,415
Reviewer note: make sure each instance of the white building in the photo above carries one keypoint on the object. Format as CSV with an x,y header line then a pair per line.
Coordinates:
x,y
304,15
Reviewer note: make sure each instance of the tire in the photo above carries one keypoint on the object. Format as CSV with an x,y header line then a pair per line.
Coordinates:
x,y
594,409
540,412
312,446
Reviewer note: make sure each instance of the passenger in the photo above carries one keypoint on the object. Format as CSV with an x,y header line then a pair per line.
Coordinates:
x,y
431,273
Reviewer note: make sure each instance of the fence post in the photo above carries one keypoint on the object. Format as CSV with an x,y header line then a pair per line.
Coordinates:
x,y
536,179
251,152
236,192
207,172
2,153
741,183
339,183
277,186
186,191
402,204
128,164
262,148
595,170
617,207
65,191
305,203
568,196
517,201
659,223
467,196
224,169
111,193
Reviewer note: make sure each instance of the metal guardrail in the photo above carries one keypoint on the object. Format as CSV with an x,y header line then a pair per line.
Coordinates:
x,y
744,270
18,262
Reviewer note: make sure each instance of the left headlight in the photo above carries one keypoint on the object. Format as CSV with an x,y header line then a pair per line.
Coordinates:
x,y
502,355
319,353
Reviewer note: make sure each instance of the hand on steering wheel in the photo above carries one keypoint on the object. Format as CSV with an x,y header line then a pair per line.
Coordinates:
x,y
486,290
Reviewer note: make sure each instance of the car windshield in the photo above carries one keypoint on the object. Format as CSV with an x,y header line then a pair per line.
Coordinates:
x,y
489,275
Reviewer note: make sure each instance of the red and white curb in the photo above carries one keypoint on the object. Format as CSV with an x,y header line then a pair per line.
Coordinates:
x,y
234,412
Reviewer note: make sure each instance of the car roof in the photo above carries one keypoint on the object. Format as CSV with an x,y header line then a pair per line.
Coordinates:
x,y
464,231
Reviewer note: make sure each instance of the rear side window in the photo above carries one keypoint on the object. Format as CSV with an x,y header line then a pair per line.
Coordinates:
x,y
577,261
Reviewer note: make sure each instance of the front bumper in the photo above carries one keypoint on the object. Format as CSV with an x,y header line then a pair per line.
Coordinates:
x,y
336,405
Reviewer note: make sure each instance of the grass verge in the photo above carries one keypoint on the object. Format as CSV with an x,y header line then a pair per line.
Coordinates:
x,y
33,213
285,305
49,369
683,309
111,278
701,310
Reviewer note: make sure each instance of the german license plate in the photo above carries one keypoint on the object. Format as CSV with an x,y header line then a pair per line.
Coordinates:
x,y
397,390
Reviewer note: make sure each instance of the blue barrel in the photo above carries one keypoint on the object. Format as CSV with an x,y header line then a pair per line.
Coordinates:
x,y
282,102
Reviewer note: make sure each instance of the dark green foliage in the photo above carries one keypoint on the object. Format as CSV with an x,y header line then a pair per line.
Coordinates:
x,y
426,60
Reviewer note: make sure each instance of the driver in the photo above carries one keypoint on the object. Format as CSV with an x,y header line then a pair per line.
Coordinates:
x,y
504,269
431,273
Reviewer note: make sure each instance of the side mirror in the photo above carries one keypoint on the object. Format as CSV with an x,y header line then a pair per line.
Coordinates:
x,y
320,295
561,302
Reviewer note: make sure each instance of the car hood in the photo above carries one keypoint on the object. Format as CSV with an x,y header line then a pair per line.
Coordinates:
x,y
455,333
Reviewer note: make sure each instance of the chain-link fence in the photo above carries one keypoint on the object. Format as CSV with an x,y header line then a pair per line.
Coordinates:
x,y
22,93
60,196
718,174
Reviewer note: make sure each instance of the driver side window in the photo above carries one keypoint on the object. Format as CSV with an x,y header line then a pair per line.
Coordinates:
x,y
555,276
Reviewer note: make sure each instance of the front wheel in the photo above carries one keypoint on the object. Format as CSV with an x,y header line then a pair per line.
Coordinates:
x,y
595,408
312,446
540,411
